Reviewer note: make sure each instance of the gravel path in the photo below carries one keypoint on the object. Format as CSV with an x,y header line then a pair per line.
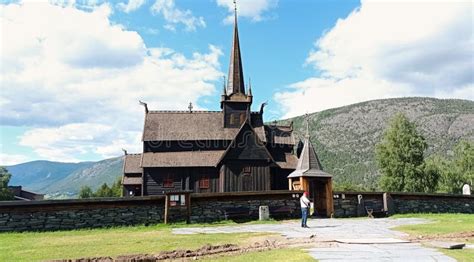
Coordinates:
x,y
352,239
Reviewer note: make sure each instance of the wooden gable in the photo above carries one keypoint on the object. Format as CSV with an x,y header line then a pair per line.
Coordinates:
x,y
247,146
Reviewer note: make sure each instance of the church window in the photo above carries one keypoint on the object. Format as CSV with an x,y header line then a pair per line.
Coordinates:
x,y
204,182
247,170
234,119
168,181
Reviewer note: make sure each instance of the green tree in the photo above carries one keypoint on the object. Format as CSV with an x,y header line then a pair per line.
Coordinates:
x,y
432,174
464,160
5,193
459,170
104,191
117,188
400,157
86,192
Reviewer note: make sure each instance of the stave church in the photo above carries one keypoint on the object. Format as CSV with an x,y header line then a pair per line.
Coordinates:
x,y
230,150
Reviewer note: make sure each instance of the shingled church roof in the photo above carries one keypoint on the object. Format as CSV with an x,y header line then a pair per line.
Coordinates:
x,y
208,158
280,134
185,126
131,164
132,170
308,163
193,126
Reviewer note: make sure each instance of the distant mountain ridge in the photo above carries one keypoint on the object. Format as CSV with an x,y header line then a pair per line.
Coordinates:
x,y
65,179
344,139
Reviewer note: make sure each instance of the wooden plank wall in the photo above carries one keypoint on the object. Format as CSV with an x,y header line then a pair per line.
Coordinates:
x,y
186,178
236,181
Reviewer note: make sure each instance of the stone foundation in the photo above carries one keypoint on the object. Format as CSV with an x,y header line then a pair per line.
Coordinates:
x,y
93,213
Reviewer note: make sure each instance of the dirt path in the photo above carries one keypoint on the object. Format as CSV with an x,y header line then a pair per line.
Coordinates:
x,y
209,251
468,236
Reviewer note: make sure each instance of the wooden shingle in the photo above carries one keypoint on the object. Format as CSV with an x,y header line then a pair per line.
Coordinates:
x,y
182,159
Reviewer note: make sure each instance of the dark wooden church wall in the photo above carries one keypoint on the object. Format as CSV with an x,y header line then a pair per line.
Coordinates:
x,y
213,176
238,110
153,184
185,178
236,180
279,178
135,188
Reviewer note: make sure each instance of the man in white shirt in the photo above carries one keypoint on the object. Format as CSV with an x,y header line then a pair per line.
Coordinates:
x,y
305,204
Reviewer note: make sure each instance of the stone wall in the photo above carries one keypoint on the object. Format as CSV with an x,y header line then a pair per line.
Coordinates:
x,y
93,213
346,204
74,214
207,208
432,203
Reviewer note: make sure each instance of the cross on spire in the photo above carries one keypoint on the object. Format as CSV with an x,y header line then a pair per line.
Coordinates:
x,y
190,107
235,8
306,118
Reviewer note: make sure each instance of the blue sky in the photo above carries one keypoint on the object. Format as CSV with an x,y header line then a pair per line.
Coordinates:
x,y
73,71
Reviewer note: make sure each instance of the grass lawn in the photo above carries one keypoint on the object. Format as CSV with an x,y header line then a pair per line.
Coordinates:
x,y
34,246
443,224
277,255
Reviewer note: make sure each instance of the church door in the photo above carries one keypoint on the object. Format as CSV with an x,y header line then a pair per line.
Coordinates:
x,y
246,182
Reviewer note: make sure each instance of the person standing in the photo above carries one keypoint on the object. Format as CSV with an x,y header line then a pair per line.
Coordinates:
x,y
305,204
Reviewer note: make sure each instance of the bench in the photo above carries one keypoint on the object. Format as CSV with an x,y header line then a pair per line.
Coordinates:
x,y
280,211
237,212
373,210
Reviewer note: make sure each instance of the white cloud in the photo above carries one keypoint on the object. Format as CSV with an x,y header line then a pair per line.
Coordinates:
x,y
68,142
175,16
9,159
76,78
252,9
389,49
131,5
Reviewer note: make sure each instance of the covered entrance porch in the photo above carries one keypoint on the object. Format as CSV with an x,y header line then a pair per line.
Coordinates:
x,y
310,177
320,192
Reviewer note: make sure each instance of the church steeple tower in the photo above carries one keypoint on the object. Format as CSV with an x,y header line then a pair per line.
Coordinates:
x,y
235,102
236,74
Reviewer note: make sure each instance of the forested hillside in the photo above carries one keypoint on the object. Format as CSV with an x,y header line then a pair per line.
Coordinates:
x,y
345,137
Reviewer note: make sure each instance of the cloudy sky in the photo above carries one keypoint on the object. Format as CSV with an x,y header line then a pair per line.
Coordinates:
x,y
72,72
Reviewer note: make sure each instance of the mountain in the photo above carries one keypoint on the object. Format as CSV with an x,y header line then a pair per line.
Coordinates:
x,y
105,171
65,179
37,176
345,137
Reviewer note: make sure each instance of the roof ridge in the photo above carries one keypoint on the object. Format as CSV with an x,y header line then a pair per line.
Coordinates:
x,y
276,126
183,111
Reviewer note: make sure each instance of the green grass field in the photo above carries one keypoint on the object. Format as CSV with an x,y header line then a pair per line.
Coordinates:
x,y
37,246
32,246
443,224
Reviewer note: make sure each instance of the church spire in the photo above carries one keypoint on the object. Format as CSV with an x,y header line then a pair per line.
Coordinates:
x,y
236,74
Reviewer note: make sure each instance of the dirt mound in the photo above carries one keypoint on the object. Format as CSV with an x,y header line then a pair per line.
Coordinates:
x,y
204,251
469,235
